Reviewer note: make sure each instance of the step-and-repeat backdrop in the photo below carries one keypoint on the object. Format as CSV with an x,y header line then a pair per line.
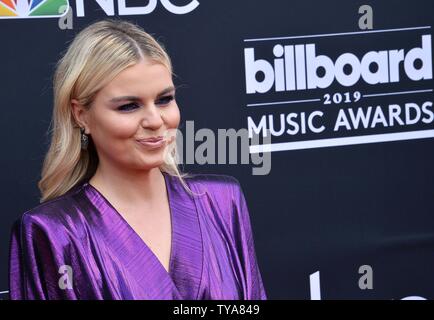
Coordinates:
x,y
340,184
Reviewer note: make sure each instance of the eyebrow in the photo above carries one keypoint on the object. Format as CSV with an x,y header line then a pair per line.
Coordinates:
x,y
134,98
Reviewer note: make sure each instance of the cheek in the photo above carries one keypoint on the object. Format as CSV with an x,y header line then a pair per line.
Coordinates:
x,y
172,116
116,126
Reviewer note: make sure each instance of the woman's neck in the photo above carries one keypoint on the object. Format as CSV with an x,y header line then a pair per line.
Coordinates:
x,y
134,187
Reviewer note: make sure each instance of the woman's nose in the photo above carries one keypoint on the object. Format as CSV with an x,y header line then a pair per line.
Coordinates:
x,y
153,118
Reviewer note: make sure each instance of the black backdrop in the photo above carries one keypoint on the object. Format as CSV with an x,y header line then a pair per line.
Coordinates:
x,y
328,210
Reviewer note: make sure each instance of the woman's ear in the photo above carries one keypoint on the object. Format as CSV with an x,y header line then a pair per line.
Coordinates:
x,y
80,115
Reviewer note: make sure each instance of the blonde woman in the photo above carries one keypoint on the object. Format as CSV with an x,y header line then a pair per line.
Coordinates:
x,y
117,219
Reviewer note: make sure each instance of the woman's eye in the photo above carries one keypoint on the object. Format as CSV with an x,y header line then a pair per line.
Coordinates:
x,y
128,107
165,100
132,106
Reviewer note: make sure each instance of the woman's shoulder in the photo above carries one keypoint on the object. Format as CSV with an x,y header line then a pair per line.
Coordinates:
x,y
213,179
51,213
225,196
221,188
216,184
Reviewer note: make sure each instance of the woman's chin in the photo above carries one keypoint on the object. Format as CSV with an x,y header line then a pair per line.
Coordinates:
x,y
153,163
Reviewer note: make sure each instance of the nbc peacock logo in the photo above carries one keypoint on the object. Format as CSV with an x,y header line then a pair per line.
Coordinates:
x,y
16,9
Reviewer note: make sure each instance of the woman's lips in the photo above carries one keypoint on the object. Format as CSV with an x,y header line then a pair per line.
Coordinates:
x,y
152,139
152,143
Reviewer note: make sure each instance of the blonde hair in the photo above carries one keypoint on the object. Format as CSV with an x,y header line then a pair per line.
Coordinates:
x,y
96,55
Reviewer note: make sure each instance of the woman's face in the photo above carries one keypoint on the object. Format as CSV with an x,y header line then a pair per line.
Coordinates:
x,y
138,103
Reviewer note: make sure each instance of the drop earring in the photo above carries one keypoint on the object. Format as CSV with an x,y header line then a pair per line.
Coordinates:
x,y
84,139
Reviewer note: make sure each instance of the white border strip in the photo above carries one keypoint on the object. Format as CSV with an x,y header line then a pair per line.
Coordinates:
x,y
280,102
364,96
337,34
395,93
344,141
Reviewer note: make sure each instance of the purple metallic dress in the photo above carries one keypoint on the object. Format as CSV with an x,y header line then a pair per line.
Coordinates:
x,y
212,251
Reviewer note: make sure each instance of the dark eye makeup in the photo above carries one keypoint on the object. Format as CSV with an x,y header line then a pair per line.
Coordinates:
x,y
134,105
165,99
128,107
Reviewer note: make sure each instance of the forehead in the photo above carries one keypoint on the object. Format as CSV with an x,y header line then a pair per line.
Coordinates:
x,y
142,79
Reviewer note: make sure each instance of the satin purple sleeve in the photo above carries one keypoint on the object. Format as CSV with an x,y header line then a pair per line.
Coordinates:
x,y
254,287
33,263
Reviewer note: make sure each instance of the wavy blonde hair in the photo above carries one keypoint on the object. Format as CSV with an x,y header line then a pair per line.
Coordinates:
x,y
97,54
